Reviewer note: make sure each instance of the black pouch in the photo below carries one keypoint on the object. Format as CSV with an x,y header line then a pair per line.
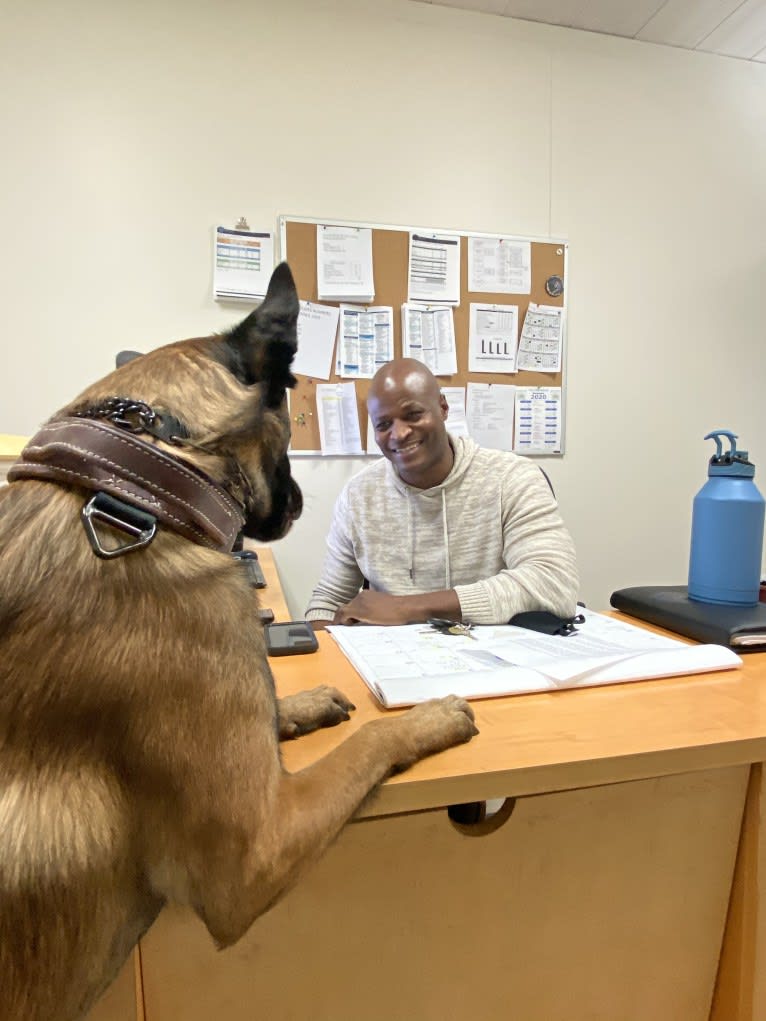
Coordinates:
x,y
547,623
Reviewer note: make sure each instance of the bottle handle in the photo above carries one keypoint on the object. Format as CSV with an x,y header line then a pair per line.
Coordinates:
x,y
716,433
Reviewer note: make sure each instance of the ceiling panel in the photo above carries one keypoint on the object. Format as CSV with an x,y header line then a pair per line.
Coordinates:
x,y
686,22
733,28
488,6
742,34
608,16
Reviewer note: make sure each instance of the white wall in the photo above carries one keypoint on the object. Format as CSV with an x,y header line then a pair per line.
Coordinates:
x,y
131,130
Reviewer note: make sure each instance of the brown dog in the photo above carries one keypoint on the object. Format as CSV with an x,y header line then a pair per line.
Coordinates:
x,y
139,729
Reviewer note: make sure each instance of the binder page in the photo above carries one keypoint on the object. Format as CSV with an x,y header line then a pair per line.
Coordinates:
x,y
408,664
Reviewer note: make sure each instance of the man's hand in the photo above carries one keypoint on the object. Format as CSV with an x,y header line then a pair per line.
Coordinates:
x,y
376,608
370,607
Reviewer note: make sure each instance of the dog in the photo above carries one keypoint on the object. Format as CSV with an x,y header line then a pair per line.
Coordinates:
x,y
139,725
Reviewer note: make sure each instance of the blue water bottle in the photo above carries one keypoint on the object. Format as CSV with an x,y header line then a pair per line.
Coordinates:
x,y
727,530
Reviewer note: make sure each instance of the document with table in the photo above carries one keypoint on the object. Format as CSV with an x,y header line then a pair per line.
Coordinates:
x,y
414,662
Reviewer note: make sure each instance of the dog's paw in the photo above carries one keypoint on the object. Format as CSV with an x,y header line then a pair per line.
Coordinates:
x,y
309,710
436,725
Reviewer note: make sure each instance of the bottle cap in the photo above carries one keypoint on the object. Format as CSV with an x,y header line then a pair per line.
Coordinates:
x,y
732,463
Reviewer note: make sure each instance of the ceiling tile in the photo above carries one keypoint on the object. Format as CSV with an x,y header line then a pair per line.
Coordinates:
x,y
735,28
607,16
487,6
741,34
686,22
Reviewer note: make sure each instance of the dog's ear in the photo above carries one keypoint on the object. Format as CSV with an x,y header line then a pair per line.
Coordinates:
x,y
261,348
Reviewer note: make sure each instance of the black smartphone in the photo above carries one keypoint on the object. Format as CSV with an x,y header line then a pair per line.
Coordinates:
x,y
290,638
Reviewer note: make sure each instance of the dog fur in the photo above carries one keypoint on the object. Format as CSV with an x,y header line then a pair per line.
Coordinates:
x,y
139,727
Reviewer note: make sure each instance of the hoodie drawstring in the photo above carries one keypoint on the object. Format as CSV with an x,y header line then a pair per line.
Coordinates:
x,y
447,572
410,536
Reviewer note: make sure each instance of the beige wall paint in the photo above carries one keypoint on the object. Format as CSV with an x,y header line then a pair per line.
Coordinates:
x,y
133,129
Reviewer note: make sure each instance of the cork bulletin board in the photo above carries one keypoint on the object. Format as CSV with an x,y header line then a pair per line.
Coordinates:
x,y
390,253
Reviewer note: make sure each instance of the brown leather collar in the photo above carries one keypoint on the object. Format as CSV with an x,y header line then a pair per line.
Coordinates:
x,y
100,457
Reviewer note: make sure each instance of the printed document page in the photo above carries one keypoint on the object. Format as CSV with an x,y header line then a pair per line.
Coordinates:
x,y
538,420
434,268
371,447
428,334
317,326
338,418
493,334
490,409
409,664
243,264
541,339
365,339
499,266
457,423
344,263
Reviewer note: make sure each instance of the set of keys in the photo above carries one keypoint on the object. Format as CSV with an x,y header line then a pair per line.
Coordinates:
x,y
451,627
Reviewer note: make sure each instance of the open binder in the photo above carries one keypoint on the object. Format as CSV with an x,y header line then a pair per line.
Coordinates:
x,y
410,663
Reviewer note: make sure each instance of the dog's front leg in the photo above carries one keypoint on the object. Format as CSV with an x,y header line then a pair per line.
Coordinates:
x,y
309,710
302,813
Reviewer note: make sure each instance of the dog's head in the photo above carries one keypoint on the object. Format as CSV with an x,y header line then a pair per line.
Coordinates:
x,y
228,392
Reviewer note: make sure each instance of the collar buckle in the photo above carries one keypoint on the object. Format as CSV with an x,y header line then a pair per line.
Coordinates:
x,y
121,517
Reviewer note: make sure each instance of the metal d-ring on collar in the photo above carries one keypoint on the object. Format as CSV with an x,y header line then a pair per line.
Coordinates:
x,y
121,516
135,417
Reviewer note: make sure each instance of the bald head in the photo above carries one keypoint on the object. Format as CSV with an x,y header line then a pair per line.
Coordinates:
x,y
408,412
404,375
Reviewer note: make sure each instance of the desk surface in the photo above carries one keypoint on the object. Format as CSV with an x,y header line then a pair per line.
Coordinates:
x,y
552,740
11,446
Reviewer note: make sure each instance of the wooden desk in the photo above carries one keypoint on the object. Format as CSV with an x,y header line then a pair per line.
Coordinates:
x,y
604,896
607,895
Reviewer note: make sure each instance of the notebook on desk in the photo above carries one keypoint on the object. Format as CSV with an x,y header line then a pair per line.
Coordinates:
x,y
740,627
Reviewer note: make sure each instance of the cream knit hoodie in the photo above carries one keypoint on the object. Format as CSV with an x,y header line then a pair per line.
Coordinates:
x,y
491,531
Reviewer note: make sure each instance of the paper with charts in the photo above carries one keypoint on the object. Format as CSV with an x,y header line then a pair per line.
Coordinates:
x,y
412,663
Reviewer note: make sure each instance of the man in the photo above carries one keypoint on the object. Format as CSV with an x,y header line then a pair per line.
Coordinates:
x,y
442,527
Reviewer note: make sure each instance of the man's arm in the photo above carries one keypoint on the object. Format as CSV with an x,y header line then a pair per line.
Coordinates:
x,y
341,577
540,563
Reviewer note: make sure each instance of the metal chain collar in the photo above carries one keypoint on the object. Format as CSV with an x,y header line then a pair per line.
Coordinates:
x,y
136,417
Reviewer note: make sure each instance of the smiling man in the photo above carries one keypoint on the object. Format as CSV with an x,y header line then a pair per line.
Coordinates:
x,y
441,527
